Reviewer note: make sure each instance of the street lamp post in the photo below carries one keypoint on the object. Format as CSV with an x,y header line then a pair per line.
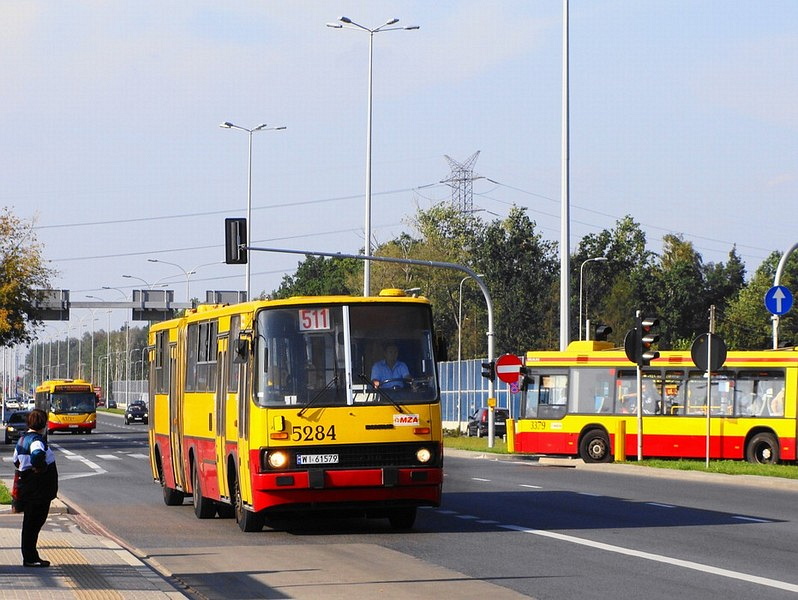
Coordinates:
x,y
261,127
107,345
126,367
581,273
188,274
350,24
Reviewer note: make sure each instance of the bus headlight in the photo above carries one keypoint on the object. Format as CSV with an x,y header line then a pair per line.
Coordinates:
x,y
277,459
423,455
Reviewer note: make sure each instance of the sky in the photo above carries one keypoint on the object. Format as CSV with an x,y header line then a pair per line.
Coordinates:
x,y
683,114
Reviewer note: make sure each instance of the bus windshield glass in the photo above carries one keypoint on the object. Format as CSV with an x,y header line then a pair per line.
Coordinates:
x,y
72,402
343,355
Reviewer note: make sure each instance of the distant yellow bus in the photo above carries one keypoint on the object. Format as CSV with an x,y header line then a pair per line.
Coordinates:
x,y
71,405
270,407
577,402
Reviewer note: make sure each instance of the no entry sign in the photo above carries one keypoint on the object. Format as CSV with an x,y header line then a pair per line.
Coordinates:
x,y
508,366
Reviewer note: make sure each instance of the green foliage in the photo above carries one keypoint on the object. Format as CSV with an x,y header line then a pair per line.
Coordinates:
x,y
5,495
521,270
615,289
747,324
728,467
23,271
319,276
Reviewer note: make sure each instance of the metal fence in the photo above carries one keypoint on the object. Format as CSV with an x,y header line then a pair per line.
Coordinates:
x,y
463,390
126,391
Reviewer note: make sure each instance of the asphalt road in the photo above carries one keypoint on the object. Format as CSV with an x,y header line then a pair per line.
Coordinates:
x,y
507,528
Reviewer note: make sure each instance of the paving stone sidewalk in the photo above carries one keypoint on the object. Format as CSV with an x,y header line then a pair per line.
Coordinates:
x,y
85,566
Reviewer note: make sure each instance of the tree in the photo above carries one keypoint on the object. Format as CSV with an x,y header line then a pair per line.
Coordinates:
x,y
317,276
23,273
619,286
724,281
747,324
442,233
681,302
522,270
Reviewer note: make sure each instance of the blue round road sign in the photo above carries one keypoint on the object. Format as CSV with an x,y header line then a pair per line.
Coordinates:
x,y
778,300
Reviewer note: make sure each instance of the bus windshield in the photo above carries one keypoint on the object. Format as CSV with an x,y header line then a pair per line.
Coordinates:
x,y
72,402
343,355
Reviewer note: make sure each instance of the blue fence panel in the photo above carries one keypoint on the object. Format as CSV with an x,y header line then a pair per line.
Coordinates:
x,y
463,390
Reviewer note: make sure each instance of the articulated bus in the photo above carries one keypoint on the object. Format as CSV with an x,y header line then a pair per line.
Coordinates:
x,y
71,405
271,407
578,402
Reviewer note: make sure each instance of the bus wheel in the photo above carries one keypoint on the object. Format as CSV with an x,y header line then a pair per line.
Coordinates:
x,y
763,449
247,520
204,508
595,447
402,518
171,496
225,511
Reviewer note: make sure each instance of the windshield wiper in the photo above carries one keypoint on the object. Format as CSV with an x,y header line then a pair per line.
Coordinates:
x,y
333,381
381,392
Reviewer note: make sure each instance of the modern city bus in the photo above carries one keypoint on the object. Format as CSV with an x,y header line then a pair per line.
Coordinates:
x,y
71,405
579,401
272,407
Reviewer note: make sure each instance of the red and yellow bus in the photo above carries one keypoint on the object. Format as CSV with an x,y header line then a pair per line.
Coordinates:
x,y
269,407
71,405
578,402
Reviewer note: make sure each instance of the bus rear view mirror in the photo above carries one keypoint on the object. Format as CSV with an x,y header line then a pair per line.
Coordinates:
x,y
241,350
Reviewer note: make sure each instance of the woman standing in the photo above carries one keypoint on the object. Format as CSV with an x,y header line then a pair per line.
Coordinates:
x,y
37,486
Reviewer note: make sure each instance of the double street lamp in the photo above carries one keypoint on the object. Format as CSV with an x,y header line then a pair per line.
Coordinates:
x,y
187,274
261,127
388,26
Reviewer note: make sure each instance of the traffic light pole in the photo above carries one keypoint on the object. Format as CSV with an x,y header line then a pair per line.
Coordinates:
x,y
639,344
422,263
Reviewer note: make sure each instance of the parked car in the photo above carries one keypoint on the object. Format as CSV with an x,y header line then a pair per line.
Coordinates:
x,y
478,422
111,403
136,411
16,425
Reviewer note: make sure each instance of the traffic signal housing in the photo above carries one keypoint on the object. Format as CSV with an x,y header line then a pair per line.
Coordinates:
x,y
489,370
602,333
646,338
235,241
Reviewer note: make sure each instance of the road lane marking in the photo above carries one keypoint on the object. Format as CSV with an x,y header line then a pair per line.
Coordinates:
x,y
659,505
479,479
752,519
534,487
667,560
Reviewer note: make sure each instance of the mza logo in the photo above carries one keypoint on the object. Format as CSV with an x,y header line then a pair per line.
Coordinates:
x,y
404,420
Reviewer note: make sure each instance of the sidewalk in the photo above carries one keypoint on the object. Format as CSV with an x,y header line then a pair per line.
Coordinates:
x,y
84,566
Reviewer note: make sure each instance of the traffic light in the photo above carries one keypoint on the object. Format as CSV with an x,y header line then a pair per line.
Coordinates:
x,y
235,236
646,338
489,370
602,333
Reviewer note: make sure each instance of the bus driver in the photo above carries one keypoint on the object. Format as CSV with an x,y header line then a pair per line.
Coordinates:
x,y
390,373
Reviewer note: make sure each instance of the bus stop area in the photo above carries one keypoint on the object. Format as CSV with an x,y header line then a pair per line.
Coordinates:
x,y
83,565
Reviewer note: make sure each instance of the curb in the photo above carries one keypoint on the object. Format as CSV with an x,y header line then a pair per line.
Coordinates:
x,y
630,468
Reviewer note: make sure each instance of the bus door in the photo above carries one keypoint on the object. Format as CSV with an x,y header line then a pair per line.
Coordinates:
x,y
175,421
221,412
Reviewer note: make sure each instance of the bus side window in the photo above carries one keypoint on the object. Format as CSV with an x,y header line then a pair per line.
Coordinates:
x,y
532,397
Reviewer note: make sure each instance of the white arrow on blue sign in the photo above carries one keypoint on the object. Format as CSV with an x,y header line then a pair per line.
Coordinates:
x,y
778,300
